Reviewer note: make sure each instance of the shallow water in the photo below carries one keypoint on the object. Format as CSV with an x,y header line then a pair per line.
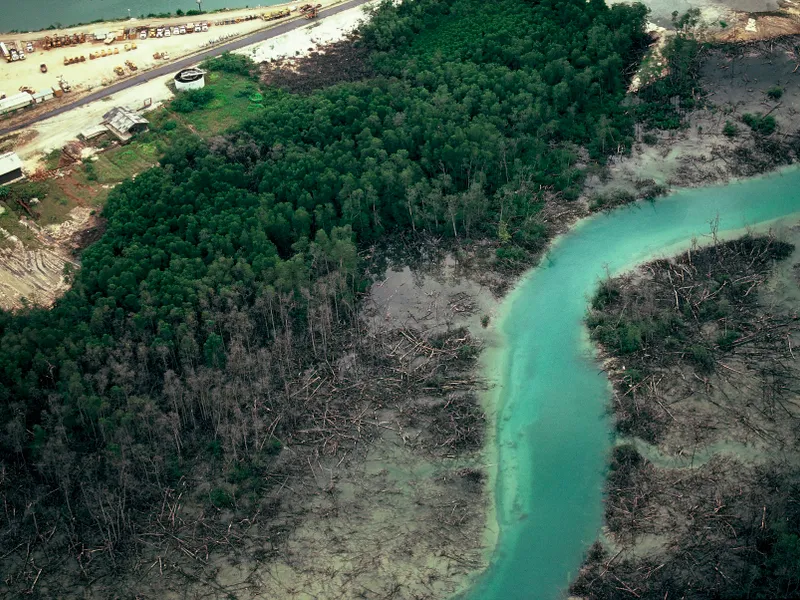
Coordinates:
x,y
552,431
38,14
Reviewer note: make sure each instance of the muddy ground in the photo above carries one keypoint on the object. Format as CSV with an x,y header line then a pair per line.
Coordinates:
x,y
733,81
702,485
387,496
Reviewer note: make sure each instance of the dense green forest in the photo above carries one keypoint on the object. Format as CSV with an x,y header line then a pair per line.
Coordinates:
x,y
234,265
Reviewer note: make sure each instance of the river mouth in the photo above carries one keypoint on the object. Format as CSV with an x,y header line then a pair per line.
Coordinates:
x,y
553,433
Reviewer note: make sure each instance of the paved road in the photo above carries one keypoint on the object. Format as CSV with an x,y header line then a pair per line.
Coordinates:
x,y
176,66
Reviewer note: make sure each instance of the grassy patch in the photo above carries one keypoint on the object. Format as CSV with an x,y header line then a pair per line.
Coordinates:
x,y
230,105
118,164
53,159
54,205
9,222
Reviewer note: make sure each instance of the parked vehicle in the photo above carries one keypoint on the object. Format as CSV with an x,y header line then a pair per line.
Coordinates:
x,y
43,68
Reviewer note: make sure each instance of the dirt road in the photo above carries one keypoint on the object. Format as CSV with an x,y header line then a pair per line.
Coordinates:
x,y
182,64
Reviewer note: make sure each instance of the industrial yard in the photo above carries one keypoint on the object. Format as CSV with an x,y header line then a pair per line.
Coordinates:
x,y
80,59
72,160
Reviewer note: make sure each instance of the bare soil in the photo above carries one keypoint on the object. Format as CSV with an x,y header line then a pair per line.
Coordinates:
x,y
336,63
734,80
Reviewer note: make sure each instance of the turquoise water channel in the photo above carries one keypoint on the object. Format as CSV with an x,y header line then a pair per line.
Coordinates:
x,y
552,431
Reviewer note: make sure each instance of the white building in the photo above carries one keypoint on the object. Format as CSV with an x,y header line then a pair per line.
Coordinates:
x,y
10,168
45,94
15,102
190,79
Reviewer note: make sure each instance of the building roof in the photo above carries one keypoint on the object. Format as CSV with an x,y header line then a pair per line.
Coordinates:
x,y
93,131
190,74
45,93
15,101
9,162
122,119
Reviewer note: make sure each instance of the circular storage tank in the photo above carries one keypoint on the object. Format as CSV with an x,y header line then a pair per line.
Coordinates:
x,y
190,79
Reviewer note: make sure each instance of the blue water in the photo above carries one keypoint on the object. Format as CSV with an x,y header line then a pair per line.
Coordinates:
x,y
38,14
552,432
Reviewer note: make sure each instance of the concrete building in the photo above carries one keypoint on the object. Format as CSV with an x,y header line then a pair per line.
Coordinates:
x,y
10,168
190,79
15,102
123,123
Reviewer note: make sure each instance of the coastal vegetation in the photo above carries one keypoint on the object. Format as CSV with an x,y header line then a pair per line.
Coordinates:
x,y
233,270
700,359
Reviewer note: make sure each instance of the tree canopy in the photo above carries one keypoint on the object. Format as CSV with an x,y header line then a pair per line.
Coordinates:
x,y
478,110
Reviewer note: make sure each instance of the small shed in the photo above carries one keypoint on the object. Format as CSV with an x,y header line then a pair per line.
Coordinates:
x,y
43,95
10,168
92,132
123,123
15,102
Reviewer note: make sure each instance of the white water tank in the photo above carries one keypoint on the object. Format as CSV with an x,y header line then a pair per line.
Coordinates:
x,y
190,79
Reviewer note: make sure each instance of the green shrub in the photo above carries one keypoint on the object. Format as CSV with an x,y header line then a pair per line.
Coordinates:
x,y
169,125
511,253
702,358
730,130
775,93
235,64
725,340
215,448
651,139
221,498
760,124
629,337
192,100
89,169
531,236
241,472
273,447
607,293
